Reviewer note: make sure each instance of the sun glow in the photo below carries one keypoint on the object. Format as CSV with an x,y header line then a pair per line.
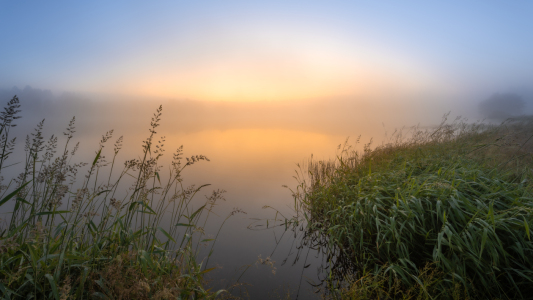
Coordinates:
x,y
276,80
267,65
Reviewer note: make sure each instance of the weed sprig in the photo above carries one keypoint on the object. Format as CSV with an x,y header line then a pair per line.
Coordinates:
x,y
67,239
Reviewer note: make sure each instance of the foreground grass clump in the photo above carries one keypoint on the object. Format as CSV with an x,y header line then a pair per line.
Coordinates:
x,y
445,214
102,236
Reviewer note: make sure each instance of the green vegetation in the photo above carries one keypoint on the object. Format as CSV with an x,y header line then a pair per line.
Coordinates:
x,y
66,239
443,214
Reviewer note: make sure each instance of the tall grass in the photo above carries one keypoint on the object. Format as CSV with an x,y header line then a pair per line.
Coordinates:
x,y
439,213
71,238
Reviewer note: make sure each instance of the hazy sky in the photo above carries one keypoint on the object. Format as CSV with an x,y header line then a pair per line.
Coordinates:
x,y
268,50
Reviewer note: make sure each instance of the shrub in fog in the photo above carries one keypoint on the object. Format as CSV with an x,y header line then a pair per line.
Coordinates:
x,y
502,105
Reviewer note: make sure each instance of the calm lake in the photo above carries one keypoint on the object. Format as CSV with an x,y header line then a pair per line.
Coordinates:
x,y
254,151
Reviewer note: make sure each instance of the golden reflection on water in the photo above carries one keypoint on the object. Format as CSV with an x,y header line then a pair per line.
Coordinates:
x,y
252,164
258,146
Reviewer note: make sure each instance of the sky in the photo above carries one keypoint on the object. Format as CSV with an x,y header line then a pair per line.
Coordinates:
x,y
266,50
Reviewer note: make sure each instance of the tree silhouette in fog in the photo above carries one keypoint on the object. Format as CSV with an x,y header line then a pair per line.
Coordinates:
x,y
502,105
33,100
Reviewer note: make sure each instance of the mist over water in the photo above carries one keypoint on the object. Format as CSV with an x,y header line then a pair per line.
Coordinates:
x,y
254,149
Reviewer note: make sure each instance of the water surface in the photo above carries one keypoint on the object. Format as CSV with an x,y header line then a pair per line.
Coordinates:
x,y
254,152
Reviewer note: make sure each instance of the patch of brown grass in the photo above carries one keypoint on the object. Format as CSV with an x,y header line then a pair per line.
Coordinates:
x,y
124,279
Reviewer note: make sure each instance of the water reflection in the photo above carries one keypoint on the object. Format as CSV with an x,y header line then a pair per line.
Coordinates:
x,y
251,164
318,266
254,257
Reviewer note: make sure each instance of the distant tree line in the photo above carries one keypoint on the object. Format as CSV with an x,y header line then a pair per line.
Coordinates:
x,y
37,101
32,99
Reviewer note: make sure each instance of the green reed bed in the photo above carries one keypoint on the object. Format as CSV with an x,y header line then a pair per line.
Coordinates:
x,y
85,236
443,214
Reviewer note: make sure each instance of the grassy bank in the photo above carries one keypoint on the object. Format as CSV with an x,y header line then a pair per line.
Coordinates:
x,y
74,233
441,213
